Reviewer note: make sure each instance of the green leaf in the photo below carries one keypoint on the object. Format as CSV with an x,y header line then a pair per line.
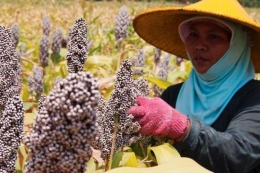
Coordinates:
x,y
159,82
63,52
164,153
56,58
25,93
140,162
28,105
29,118
99,59
21,157
129,159
91,166
108,92
174,75
116,160
175,165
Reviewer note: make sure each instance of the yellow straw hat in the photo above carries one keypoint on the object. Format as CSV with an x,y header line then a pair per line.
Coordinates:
x,y
159,26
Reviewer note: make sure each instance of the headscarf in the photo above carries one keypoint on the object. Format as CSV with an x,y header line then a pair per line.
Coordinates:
x,y
205,96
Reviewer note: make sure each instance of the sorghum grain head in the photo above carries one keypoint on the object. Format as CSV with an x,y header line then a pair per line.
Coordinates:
x,y
122,23
64,126
9,68
138,62
123,96
44,50
77,46
15,34
36,81
56,41
11,132
46,25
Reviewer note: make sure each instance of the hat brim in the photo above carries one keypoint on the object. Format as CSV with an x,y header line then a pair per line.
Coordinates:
x,y
159,27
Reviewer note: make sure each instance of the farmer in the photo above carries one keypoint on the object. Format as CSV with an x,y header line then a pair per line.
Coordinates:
x,y
214,116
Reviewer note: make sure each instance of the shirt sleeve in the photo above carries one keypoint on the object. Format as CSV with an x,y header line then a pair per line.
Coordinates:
x,y
236,150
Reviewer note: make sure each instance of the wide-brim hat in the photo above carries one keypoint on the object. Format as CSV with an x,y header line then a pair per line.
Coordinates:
x,y
159,26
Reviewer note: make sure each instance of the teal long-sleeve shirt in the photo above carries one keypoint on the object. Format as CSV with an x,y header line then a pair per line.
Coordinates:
x,y
232,143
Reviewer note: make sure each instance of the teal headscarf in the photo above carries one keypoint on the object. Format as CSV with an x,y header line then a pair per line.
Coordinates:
x,y
204,96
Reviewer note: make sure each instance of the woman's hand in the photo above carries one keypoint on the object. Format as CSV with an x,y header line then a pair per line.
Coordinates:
x,y
156,117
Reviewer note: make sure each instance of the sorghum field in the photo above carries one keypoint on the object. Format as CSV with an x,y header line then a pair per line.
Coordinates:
x,y
74,70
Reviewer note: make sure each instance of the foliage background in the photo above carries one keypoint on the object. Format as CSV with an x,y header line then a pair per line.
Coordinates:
x,y
104,55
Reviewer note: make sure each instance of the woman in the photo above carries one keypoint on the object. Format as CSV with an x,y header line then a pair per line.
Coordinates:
x,y
214,116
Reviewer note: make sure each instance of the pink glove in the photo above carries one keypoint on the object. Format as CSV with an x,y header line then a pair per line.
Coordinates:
x,y
156,117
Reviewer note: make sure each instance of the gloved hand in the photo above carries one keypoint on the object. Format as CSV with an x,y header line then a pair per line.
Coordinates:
x,y
156,117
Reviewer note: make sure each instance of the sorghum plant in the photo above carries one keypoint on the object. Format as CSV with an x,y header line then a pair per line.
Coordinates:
x,y
11,118
44,51
163,67
15,34
46,25
9,69
162,72
117,128
36,82
56,41
64,126
157,56
77,46
11,132
138,62
66,120
122,22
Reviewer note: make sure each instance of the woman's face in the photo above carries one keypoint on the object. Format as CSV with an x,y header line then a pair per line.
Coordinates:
x,y
206,44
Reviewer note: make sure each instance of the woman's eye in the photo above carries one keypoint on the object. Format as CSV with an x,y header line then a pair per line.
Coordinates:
x,y
192,35
214,36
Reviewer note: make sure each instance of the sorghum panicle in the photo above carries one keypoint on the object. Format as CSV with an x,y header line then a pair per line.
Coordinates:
x,y
56,41
36,81
46,25
44,50
11,132
157,56
163,67
122,22
9,68
64,126
162,72
77,46
123,97
15,34
138,62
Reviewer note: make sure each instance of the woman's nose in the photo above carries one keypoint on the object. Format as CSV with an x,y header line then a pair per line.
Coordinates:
x,y
200,45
